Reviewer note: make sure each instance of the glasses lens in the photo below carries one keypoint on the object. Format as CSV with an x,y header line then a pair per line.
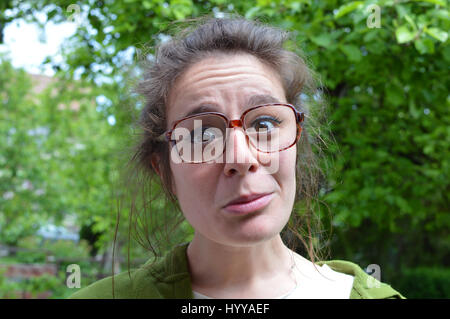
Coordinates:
x,y
271,128
200,138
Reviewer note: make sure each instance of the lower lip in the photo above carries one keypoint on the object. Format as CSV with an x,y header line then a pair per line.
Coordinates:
x,y
249,207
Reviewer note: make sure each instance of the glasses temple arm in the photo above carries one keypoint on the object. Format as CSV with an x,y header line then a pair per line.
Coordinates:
x,y
164,137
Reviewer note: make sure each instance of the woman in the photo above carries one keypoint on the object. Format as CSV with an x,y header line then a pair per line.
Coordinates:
x,y
226,134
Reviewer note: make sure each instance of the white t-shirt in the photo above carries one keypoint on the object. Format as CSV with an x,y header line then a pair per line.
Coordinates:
x,y
323,283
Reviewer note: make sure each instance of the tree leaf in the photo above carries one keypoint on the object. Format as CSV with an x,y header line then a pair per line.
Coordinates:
x,y
347,8
424,45
438,2
352,52
403,34
250,14
438,34
323,40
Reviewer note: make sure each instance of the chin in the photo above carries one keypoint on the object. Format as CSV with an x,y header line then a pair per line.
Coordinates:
x,y
250,235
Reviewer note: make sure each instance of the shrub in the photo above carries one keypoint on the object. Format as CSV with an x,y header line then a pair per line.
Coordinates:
x,y
424,282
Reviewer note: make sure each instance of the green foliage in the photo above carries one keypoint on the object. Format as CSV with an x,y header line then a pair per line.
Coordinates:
x,y
16,157
37,250
31,252
424,282
34,287
41,284
386,86
53,150
7,286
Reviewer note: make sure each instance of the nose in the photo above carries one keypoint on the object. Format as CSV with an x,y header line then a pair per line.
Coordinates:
x,y
239,156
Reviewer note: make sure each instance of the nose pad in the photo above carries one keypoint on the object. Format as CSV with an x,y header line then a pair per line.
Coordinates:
x,y
236,123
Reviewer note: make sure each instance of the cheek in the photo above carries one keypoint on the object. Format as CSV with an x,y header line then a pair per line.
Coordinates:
x,y
286,174
194,185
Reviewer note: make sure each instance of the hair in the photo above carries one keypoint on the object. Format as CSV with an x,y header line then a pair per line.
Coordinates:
x,y
205,37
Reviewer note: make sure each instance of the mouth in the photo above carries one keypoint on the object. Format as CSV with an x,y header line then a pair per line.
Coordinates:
x,y
248,204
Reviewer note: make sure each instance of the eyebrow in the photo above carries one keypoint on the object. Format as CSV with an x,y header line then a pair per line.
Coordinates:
x,y
261,99
254,100
202,109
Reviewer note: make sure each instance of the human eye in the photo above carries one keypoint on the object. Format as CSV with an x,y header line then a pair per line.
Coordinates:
x,y
266,123
203,135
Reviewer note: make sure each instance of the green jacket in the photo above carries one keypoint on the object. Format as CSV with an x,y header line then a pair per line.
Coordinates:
x,y
169,278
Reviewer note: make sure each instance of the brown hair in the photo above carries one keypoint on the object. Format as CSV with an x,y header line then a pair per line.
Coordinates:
x,y
208,36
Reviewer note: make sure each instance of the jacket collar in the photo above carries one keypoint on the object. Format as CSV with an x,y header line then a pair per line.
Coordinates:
x,y
173,279
169,275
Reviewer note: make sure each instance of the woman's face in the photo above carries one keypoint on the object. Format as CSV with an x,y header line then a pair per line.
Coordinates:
x,y
261,197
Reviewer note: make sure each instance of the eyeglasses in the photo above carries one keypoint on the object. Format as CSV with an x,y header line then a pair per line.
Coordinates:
x,y
202,137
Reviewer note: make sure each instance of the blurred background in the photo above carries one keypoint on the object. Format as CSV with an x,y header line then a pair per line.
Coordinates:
x,y
66,108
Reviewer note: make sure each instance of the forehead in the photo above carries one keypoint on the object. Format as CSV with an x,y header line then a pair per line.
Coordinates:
x,y
225,81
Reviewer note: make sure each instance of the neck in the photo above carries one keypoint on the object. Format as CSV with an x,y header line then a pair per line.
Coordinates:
x,y
216,266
